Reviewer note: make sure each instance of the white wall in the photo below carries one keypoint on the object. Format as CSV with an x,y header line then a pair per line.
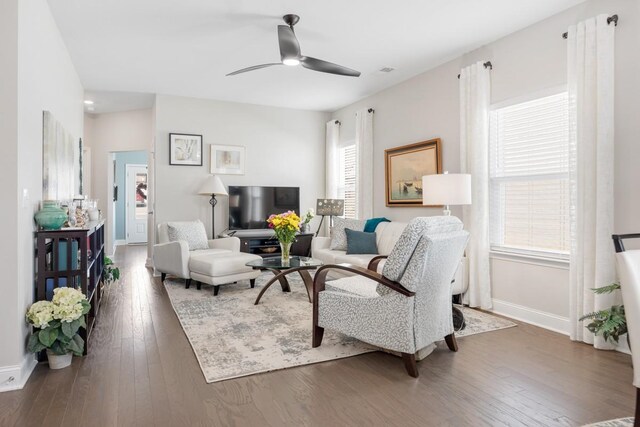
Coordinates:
x,y
284,147
525,62
11,356
108,133
46,80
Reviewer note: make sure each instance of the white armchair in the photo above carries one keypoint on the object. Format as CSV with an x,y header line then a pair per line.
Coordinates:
x,y
628,264
173,257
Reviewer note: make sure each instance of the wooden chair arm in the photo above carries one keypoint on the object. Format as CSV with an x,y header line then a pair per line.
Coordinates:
x,y
321,277
373,264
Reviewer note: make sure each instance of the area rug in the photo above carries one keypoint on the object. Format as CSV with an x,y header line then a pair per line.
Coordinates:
x,y
233,338
619,422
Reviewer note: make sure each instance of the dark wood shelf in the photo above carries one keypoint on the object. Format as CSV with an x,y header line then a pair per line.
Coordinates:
x,y
62,260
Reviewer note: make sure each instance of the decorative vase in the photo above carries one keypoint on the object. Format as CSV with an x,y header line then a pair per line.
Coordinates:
x,y
304,227
50,217
57,361
285,252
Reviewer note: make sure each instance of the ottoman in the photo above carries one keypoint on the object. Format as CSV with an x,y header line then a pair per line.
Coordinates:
x,y
222,268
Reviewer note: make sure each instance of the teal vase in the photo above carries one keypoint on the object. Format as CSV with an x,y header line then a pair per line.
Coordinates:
x,y
50,217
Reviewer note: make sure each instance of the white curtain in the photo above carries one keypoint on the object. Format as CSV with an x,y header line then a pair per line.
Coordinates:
x,y
475,93
332,162
364,150
590,64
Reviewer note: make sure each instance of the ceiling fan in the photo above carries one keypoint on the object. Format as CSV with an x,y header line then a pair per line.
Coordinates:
x,y
290,54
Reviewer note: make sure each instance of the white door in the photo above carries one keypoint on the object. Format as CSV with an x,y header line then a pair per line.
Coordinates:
x,y
137,204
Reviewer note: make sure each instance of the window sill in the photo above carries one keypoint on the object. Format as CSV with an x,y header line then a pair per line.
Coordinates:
x,y
540,258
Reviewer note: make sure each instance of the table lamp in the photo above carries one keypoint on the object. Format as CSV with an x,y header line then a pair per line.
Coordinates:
x,y
213,187
446,189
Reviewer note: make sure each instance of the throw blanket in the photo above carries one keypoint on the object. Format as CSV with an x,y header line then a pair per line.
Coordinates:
x,y
371,224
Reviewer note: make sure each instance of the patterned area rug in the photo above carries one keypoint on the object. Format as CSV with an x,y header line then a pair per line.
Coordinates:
x,y
620,422
233,338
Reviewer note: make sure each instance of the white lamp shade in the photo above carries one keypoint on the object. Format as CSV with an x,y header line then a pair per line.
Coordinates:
x,y
213,185
446,189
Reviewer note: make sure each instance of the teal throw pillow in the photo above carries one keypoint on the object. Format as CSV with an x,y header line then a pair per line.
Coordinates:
x,y
371,224
360,242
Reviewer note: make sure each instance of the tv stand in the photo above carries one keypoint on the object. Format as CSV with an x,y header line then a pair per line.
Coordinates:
x,y
258,243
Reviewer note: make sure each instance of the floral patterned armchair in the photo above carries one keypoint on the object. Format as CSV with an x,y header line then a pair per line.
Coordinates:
x,y
408,306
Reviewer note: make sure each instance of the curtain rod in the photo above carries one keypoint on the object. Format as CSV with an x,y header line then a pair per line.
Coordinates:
x,y
487,64
371,110
337,122
612,18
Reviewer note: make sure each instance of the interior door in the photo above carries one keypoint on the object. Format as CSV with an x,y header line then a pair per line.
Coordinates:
x,y
137,203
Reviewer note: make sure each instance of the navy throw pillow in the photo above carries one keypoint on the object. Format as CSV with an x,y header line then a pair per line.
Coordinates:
x,y
371,224
360,242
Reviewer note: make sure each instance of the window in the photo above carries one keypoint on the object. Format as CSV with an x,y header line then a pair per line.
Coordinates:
x,y
529,176
347,179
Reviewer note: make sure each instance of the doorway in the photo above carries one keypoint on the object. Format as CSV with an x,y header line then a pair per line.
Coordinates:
x,y
136,203
119,220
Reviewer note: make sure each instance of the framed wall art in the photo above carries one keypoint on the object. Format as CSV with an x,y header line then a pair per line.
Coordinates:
x,y
404,168
227,160
185,149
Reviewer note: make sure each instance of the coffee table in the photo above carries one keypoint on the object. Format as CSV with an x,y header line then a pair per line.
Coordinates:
x,y
299,264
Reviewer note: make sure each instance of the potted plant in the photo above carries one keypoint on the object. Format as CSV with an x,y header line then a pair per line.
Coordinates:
x,y
306,219
111,273
611,323
56,324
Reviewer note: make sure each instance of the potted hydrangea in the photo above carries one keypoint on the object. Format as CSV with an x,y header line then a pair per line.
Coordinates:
x,y
56,324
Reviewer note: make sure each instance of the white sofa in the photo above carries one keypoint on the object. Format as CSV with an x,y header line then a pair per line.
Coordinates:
x,y
387,234
222,263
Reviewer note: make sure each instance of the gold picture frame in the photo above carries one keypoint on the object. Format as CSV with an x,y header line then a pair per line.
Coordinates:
x,y
404,168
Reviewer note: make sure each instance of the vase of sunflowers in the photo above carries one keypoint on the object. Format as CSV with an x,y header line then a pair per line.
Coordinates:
x,y
285,225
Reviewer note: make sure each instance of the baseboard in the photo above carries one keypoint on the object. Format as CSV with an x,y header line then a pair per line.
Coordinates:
x,y
535,317
16,376
119,243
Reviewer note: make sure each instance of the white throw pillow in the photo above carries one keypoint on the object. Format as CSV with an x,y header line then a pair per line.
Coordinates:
x,y
192,232
339,236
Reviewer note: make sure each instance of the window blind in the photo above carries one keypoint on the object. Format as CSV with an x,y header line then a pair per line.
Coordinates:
x,y
529,175
347,184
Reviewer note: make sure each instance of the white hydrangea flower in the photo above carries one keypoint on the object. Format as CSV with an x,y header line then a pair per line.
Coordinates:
x,y
40,314
67,304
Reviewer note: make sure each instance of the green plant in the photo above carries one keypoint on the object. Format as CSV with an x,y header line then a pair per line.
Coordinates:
x,y
56,322
111,273
611,323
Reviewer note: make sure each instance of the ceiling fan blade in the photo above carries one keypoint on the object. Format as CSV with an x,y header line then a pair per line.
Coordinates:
x,y
255,67
327,67
289,46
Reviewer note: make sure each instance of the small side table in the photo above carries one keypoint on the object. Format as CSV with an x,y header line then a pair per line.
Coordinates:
x,y
299,264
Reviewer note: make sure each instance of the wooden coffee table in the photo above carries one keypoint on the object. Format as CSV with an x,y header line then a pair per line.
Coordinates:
x,y
299,264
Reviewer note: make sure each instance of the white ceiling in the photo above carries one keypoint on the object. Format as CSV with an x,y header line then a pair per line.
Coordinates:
x,y
186,47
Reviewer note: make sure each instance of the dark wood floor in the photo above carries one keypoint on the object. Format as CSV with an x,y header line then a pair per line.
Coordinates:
x,y
141,371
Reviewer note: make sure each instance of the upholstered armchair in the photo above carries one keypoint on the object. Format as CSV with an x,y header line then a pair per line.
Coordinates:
x,y
628,264
172,257
408,306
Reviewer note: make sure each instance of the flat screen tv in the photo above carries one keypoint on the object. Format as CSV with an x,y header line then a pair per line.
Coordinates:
x,y
249,207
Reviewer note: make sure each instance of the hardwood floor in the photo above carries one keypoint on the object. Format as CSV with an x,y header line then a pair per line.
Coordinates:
x,y
141,371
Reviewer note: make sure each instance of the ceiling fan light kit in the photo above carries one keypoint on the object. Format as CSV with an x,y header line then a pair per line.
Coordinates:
x,y
290,54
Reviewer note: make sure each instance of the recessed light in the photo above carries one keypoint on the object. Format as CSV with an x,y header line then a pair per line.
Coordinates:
x,y
291,61
88,102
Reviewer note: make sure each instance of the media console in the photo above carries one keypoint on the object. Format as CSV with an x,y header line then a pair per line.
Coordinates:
x,y
266,246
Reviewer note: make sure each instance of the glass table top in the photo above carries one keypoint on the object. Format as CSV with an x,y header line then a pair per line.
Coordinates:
x,y
275,262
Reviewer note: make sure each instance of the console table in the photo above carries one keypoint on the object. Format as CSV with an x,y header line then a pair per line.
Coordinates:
x,y
267,246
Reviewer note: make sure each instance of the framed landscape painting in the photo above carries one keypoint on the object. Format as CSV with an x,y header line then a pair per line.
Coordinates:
x,y
227,160
404,168
185,149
